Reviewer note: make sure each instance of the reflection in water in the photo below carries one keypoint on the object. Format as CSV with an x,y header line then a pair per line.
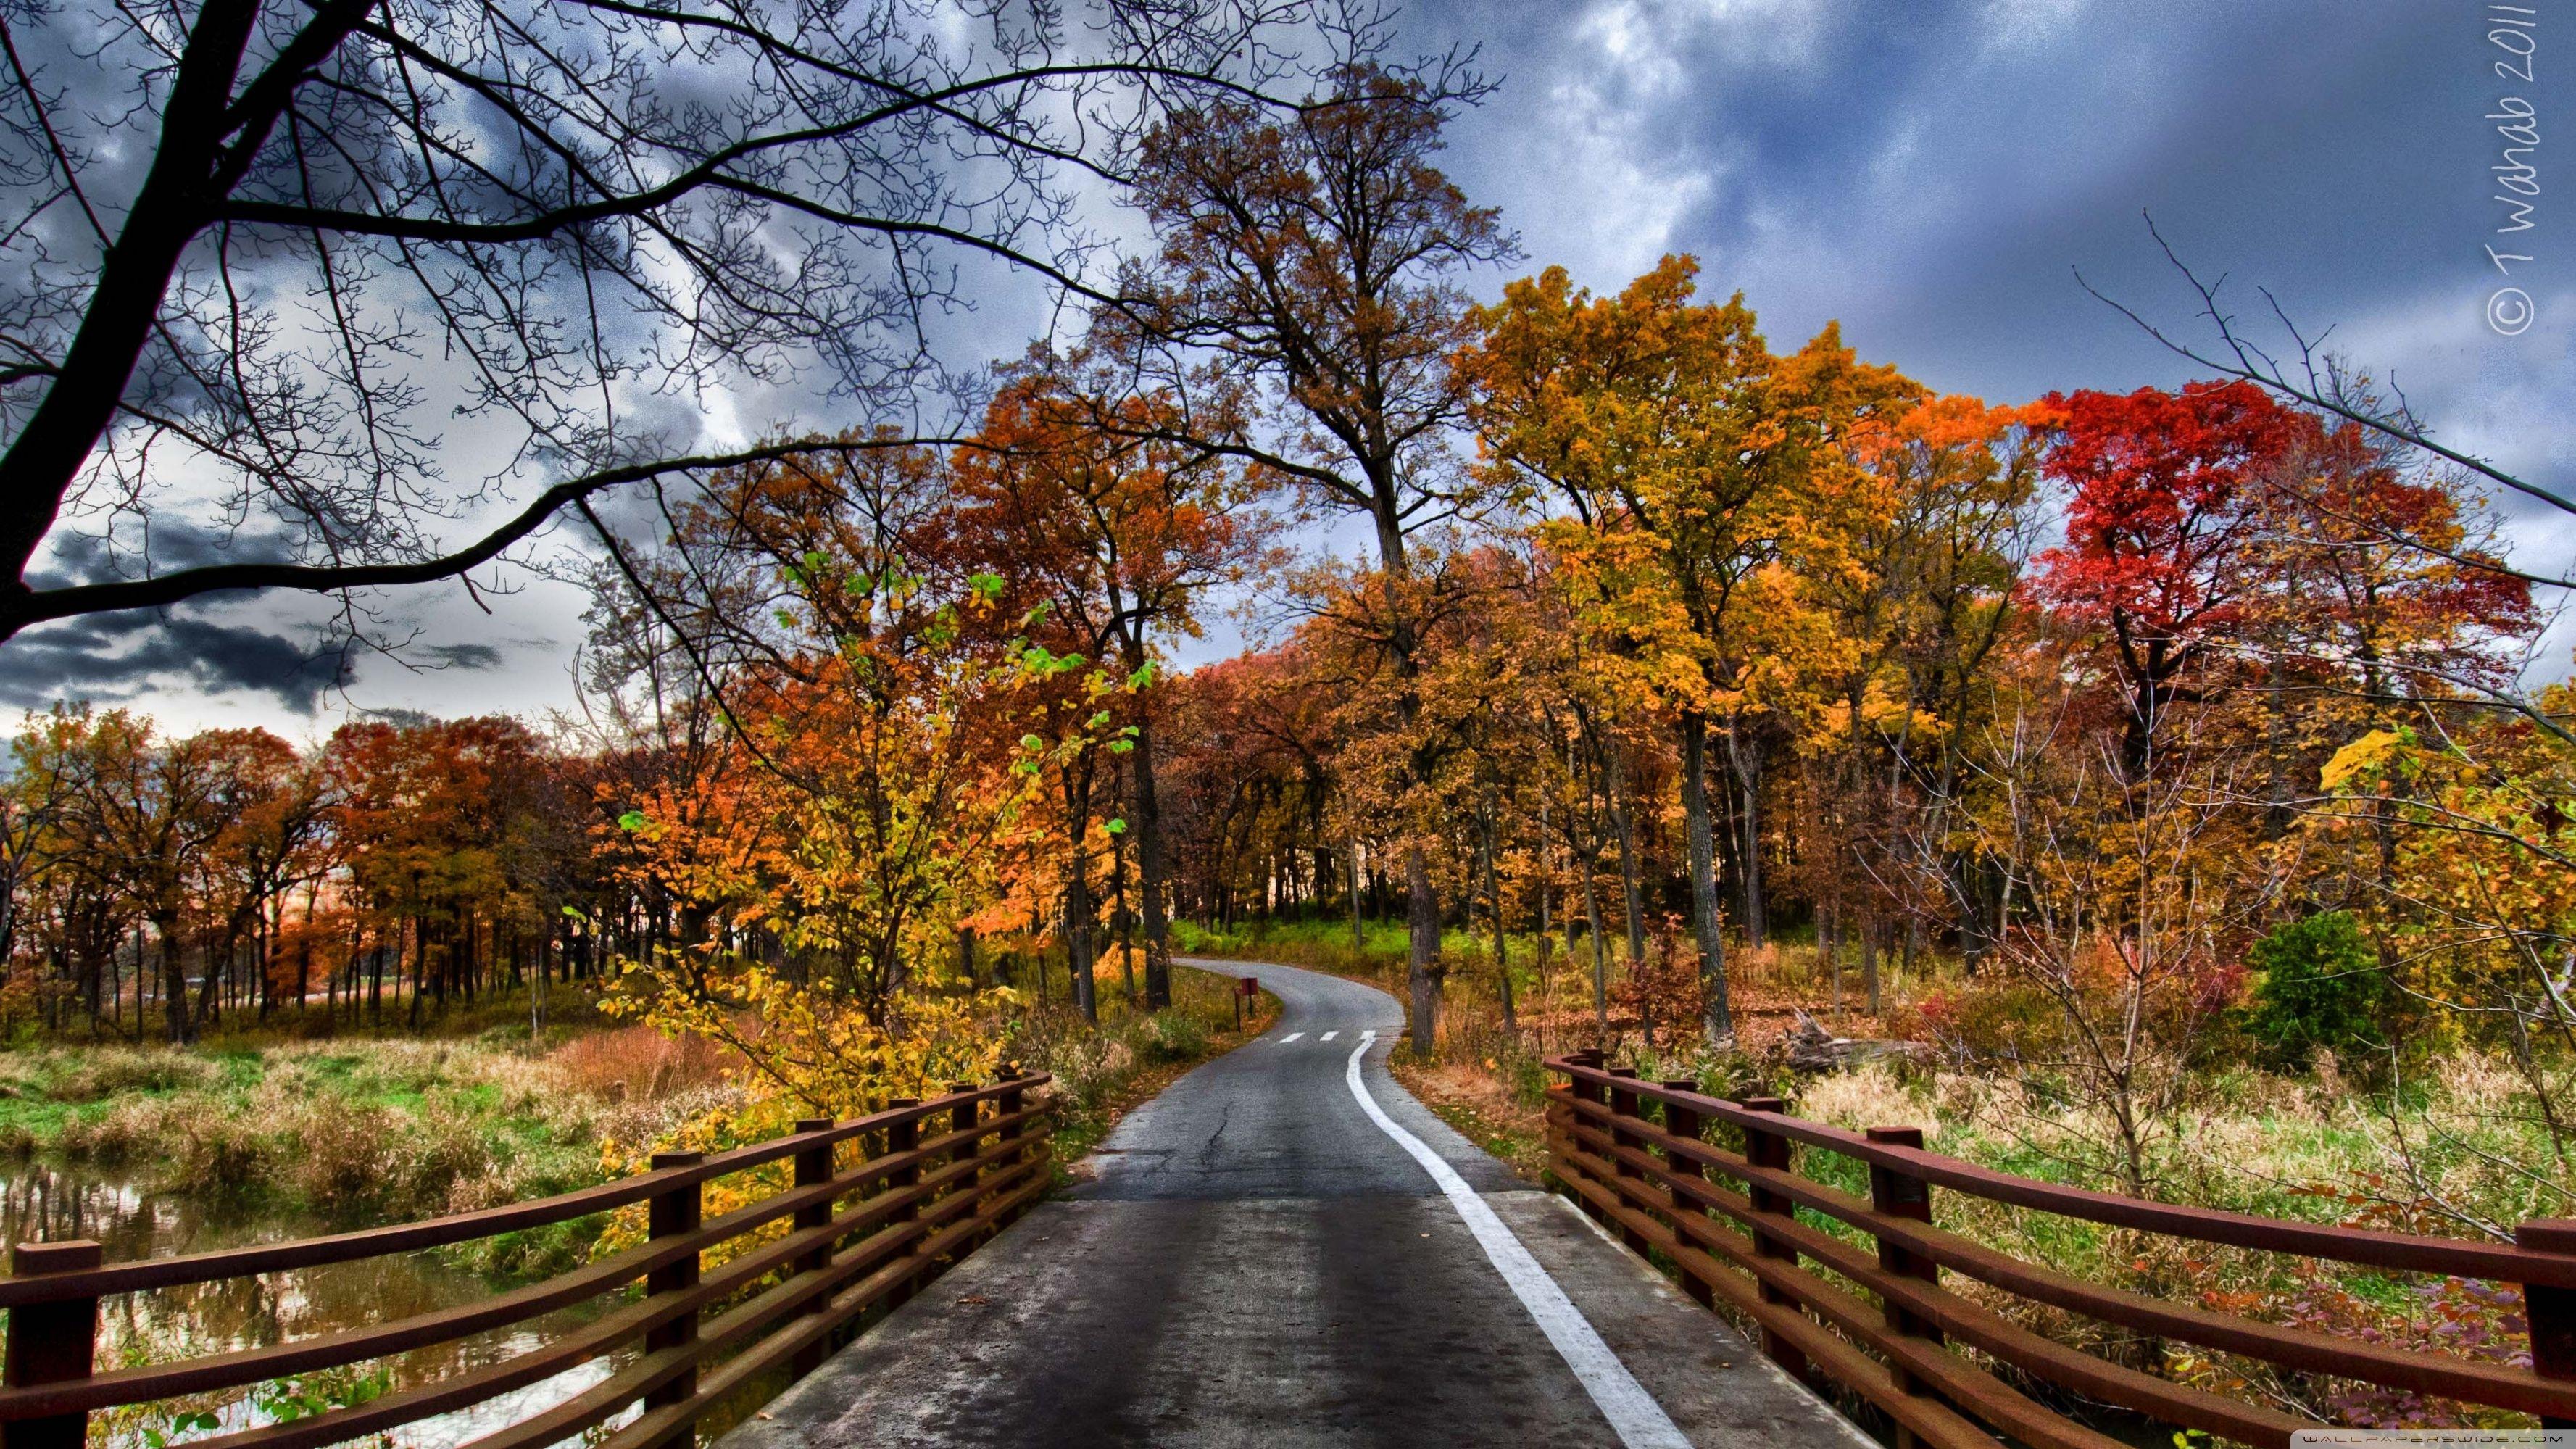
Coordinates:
x,y
43,1202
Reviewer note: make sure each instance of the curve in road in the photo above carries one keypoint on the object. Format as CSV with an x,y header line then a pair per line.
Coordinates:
x,y
1284,1248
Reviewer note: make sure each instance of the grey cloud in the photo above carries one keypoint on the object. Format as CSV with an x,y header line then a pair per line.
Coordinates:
x,y
460,656
1932,174
73,556
112,658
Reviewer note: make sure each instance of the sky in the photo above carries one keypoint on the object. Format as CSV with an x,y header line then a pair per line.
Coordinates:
x,y
1933,176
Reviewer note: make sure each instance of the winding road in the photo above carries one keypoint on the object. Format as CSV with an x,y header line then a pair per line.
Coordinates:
x,y
1283,1249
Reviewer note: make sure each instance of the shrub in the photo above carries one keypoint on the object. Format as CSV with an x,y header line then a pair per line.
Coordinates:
x,y
340,1164
108,1071
2319,987
1175,1036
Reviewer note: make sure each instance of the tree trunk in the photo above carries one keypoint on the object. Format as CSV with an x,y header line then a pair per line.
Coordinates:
x,y
1359,934
1627,824
1077,944
1422,963
1121,917
1077,887
1829,940
174,978
1149,869
1744,763
1715,1019
1502,952
1869,962
1600,961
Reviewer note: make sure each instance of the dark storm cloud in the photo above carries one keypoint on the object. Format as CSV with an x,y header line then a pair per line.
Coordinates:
x,y
1932,175
138,655
74,556
461,656
287,647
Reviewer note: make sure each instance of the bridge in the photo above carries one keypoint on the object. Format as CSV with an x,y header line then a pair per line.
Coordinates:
x,y
1284,1248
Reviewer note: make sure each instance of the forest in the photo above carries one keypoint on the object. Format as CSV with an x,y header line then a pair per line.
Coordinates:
x,y
2118,779
2114,726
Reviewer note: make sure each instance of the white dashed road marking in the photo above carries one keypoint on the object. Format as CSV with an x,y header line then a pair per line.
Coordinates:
x,y
1292,1036
1640,1422
1328,1036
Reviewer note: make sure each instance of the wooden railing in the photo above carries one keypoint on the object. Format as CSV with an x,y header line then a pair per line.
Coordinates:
x,y
1632,1155
938,1178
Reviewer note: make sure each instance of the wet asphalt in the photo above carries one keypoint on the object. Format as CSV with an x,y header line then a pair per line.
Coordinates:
x,y
1251,1261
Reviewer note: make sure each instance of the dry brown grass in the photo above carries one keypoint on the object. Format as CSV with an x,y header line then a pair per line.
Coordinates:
x,y
1476,1102
637,1063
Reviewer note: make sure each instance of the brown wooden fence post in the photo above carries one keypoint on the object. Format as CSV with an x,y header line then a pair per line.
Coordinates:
x,y
2549,1312
1623,1103
1770,1149
1682,1122
1899,1194
904,1136
961,1118
1583,1091
670,1214
813,1169
1010,1104
51,1343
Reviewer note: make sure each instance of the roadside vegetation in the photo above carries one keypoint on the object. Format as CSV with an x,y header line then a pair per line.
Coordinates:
x,y
364,1129
2436,1138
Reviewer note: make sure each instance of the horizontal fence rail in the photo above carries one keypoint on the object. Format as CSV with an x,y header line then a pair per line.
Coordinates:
x,y
934,1180
1633,1155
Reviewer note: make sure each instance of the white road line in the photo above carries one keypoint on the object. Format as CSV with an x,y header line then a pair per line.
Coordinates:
x,y
1292,1036
1328,1036
1634,1415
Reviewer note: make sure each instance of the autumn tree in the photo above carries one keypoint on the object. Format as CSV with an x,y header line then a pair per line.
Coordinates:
x,y
1941,595
2163,510
1075,496
1304,305
1696,468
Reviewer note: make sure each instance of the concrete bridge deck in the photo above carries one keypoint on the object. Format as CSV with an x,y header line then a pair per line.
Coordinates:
x,y
1285,1249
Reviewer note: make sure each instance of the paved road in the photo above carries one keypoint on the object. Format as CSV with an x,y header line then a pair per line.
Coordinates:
x,y
1262,1259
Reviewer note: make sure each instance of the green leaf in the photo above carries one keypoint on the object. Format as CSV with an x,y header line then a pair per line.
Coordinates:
x,y
987,586
1032,743
575,913
1144,675
1120,747
1116,826
632,820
